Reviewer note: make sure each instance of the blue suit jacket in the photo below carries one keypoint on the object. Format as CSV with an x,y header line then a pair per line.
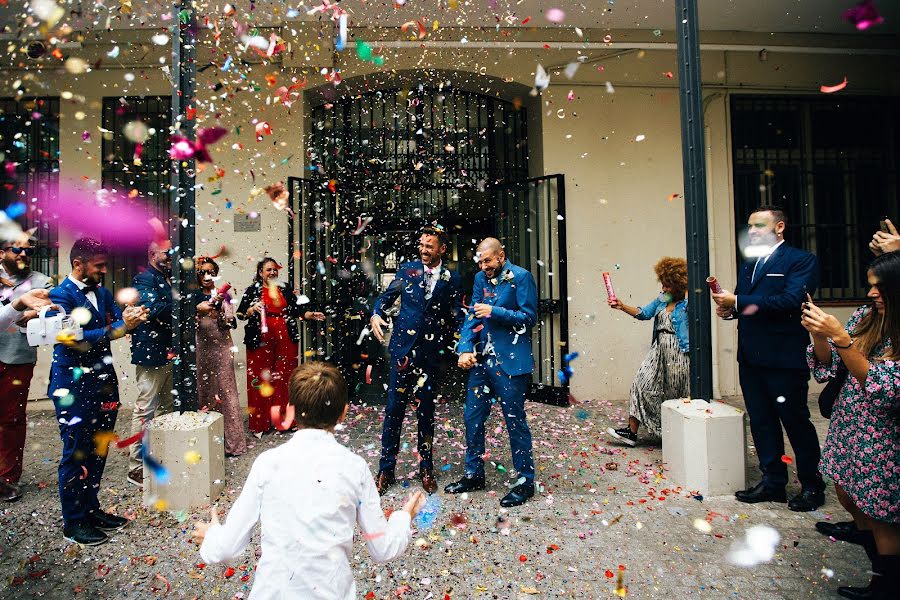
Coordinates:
x,y
514,313
104,318
425,327
771,335
151,341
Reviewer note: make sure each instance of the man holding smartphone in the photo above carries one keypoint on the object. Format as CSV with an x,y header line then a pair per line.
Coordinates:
x,y
772,357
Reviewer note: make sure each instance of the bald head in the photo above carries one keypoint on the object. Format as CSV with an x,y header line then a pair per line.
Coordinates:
x,y
490,256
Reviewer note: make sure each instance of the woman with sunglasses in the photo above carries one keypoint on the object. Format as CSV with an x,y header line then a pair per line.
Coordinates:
x,y
272,337
862,451
216,383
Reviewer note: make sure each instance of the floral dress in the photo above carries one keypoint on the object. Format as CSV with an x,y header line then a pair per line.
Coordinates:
x,y
862,450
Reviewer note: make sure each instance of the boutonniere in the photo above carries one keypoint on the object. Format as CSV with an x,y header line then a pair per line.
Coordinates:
x,y
445,275
508,275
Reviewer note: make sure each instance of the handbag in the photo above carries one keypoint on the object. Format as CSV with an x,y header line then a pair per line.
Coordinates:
x,y
44,330
831,392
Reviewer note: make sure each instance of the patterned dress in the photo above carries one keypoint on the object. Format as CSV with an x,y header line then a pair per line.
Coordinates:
x,y
664,374
216,384
862,450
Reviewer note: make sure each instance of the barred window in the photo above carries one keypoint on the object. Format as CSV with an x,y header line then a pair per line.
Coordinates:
x,y
130,165
831,162
29,144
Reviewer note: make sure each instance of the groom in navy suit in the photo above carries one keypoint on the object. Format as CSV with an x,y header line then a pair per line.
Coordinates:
x,y
773,371
495,343
85,390
430,313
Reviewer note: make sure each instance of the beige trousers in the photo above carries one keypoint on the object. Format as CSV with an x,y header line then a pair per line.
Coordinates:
x,y
154,398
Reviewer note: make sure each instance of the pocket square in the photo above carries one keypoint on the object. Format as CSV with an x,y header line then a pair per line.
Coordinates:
x,y
774,274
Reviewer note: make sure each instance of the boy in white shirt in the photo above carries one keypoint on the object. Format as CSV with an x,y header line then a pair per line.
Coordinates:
x,y
308,494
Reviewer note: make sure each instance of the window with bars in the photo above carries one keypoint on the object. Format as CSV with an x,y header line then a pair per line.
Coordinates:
x,y
29,143
136,159
831,162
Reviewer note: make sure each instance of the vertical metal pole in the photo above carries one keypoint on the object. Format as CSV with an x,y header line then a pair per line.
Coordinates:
x,y
182,210
687,32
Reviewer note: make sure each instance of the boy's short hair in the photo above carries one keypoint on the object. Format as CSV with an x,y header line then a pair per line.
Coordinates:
x,y
318,393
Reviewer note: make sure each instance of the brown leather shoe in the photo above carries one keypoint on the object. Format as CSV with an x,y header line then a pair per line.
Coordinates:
x,y
428,481
385,480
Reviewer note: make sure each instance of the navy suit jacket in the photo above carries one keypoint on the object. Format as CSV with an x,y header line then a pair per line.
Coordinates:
x,y
514,313
151,341
104,319
770,335
425,327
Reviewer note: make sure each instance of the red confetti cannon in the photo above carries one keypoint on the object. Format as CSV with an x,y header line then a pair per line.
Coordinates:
x,y
610,292
219,296
713,284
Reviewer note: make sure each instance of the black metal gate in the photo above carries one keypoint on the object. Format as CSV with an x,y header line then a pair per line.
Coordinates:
x,y
531,225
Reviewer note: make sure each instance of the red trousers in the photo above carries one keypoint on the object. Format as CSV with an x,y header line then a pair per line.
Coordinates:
x,y
14,383
269,368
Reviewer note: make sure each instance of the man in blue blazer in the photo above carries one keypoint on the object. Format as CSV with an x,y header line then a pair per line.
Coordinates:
x,y
772,343
430,314
85,390
150,347
495,344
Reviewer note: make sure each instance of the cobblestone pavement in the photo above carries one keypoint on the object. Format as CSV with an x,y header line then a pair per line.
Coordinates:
x,y
603,511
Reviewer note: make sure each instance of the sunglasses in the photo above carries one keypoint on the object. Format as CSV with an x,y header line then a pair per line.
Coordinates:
x,y
17,250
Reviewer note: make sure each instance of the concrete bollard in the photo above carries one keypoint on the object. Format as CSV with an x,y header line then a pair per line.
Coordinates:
x,y
190,446
703,446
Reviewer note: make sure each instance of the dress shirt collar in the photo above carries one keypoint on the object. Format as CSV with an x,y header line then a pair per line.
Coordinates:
x,y
312,434
81,285
431,271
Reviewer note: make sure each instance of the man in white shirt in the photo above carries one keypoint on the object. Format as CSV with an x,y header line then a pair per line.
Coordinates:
x,y
309,494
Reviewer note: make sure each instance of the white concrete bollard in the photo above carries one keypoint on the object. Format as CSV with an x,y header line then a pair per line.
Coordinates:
x,y
703,446
190,446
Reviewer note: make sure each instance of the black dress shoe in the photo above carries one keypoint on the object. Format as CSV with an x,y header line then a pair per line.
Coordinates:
x,y
760,493
856,593
518,495
807,500
845,531
106,521
9,492
384,480
84,533
466,484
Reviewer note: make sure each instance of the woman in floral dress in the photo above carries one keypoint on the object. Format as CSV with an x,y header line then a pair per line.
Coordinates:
x,y
862,451
216,383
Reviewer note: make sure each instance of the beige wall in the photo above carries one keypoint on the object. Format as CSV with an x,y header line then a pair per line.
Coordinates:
x,y
618,217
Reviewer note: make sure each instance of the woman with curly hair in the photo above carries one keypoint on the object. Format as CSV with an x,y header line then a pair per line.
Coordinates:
x,y
862,451
665,372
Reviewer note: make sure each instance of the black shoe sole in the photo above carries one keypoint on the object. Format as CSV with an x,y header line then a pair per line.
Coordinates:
x,y
512,504
110,527
760,500
97,543
476,488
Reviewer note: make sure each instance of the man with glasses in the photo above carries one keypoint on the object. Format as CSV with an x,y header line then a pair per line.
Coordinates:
x,y
151,344
17,360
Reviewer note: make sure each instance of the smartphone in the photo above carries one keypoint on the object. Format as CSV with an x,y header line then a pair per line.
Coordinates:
x,y
883,224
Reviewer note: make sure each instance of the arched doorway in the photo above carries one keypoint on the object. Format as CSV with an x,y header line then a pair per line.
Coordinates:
x,y
383,163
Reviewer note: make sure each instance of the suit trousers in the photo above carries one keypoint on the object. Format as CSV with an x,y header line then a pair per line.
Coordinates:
x,y
403,389
269,368
93,398
14,383
487,381
762,387
154,398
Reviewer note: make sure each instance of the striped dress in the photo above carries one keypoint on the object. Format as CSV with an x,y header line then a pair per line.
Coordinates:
x,y
664,374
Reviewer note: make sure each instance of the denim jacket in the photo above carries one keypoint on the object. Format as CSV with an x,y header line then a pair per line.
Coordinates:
x,y
679,319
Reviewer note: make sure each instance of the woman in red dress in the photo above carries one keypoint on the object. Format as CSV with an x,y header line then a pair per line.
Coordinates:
x,y
272,336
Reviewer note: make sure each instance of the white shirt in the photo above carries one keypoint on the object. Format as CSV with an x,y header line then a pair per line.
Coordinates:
x,y
8,316
91,296
763,259
309,494
431,278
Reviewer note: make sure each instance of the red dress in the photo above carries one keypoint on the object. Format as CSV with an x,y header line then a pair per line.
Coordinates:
x,y
269,367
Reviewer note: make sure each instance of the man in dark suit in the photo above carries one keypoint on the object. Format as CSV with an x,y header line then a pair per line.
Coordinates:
x,y
430,313
495,344
772,343
85,390
150,347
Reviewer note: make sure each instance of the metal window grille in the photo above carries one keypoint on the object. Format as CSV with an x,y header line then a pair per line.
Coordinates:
x,y
29,142
832,164
125,169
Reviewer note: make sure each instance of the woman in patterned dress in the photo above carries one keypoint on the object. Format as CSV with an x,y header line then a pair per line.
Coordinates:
x,y
665,372
216,383
862,451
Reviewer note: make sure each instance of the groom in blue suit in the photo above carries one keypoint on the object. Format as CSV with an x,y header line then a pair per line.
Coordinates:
x,y
495,344
85,390
430,314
